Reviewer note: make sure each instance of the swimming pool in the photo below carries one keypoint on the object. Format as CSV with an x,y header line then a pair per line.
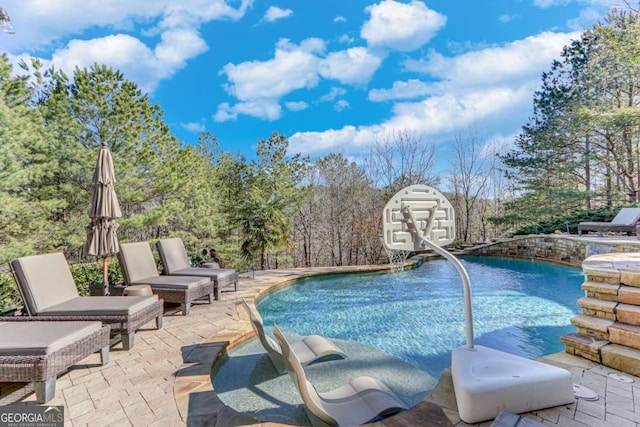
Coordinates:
x,y
521,307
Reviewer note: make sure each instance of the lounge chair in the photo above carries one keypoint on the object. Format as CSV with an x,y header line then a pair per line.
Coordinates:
x,y
139,268
308,350
37,352
49,293
361,400
175,262
624,222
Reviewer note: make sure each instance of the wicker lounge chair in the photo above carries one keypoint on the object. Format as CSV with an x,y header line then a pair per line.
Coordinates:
x,y
175,261
308,350
362,400
37,352
49,293
624,222
139,268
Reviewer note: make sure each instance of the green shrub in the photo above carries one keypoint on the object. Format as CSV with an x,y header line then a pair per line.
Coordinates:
x,y
9,295
572,219
87,273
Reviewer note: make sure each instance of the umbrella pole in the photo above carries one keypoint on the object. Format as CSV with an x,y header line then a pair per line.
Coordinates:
x,y
105,276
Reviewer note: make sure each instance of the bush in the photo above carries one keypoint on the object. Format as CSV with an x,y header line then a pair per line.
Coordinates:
x,y
573,219
87,273
9,295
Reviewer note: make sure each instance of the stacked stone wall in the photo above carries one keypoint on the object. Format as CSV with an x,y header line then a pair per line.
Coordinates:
x,y
608,330
562,249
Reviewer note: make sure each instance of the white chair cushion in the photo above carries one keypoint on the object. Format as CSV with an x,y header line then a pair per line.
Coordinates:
x,y
101,305
45,280
173,255
136,262
32,338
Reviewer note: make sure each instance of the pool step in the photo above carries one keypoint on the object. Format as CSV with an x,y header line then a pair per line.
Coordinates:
x,y
601,290
602,274
592,326
630,277
622,358
608,330
629,295
625,334
598,308
583,345
628,313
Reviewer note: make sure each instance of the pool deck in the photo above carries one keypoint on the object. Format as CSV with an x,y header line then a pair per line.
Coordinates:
x,y
164,380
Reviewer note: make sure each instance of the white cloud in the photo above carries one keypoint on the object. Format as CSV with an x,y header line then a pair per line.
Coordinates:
x,y
346,39
585,19
339,19
177,46
409,89
519,59
333,94
353,66
440,115
506,18
260,85
491,86
129,55
332,139
193,127
293,67
55,23
548,3
591,11
188,13
266,109
498,143
275,13
341,105
451,111
41,23
435,116
401,26
296,105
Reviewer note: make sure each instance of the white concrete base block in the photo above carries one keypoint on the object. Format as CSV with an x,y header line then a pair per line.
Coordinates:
x,y
488,381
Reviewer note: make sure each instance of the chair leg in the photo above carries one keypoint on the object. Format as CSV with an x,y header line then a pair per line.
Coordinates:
x,y
159,322
216,290
211,298
127,341
45,390
186,308
104,355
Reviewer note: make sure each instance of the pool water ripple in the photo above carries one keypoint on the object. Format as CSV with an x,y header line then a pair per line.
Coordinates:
x,y
521,307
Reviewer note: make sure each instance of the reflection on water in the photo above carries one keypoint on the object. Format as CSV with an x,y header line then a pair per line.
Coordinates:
x,y
521,307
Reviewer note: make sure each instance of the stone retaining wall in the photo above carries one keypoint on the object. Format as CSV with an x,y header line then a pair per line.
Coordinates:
x,y
560,248
608,330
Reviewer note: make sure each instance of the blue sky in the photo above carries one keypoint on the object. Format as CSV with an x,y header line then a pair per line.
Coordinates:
x,y
332,75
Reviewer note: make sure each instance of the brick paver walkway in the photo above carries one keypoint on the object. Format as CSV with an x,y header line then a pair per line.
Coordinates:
x,y
164,380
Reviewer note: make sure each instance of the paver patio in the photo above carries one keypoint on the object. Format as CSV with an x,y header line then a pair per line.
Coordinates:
x,y
164,380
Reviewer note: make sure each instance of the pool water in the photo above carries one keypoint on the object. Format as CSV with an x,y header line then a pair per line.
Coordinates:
x,y
521,307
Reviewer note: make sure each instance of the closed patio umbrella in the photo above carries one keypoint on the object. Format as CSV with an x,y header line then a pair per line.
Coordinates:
x,y
102,240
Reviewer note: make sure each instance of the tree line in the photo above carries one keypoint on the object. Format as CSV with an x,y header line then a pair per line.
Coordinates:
x,y
277,209
579,150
